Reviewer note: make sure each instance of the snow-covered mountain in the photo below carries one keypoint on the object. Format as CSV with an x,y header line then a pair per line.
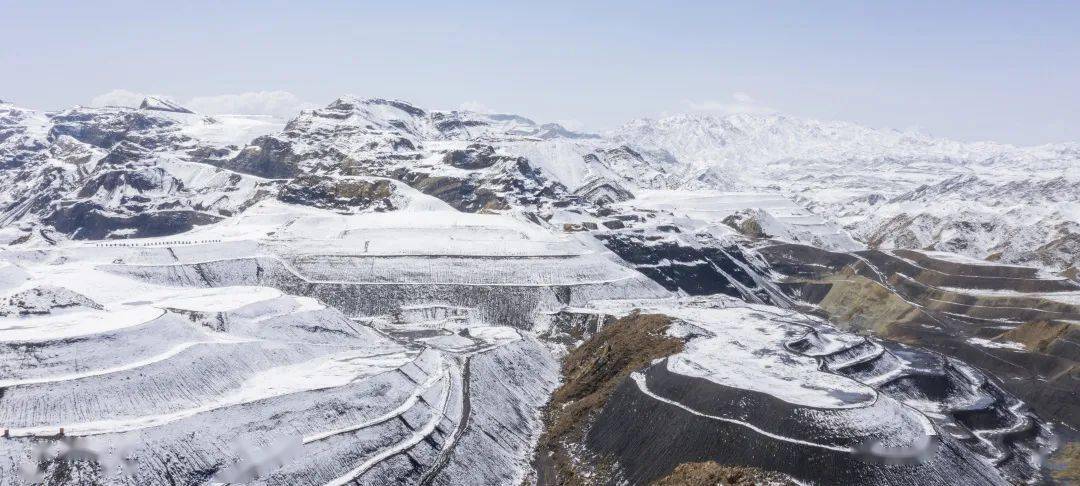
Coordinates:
x,y
159,169
864,179
760,140
95,173
116,171
377,293
1032,219
888,188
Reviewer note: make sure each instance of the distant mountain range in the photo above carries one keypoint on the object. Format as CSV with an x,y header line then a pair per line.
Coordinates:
x,y
99,166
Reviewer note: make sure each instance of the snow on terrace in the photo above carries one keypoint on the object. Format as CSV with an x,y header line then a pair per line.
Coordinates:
x,y
746,351
112,291
217,299
1070,298
744,348
787,220
986,343
424,226
129,305
385,247
395,247
338,387
126,302
72,324
329,371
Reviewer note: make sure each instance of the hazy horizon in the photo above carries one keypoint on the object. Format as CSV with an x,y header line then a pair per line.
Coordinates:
x,y
966,71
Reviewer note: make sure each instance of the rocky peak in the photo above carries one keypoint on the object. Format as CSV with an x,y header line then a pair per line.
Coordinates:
x,y
161,104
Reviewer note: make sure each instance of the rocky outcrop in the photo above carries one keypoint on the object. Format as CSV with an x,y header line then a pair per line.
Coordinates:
x,y
344,195
591,372
267,156
476,156
161,104
464,194
747,223
713,474
43,300
602,191
86,221
106,128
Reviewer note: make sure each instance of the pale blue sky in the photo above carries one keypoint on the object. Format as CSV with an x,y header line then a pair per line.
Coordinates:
x,y
1007,71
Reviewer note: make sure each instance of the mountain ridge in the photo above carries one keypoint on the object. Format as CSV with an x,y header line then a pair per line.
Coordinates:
x,y
852,175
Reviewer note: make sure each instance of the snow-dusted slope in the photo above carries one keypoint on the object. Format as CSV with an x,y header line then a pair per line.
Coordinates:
x,y
370,291
755,140
754,384
290,345
117,172
100,173
889,188
1021,220
95,173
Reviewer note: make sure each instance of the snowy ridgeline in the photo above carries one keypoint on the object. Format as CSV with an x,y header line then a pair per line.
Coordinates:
x,y
92,173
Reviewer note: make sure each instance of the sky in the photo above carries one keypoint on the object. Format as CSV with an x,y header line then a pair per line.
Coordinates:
x,y
1003,71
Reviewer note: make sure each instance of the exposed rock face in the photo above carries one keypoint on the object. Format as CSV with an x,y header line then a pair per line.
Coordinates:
x,y
712,474
650,168
83,221
142,180
160,104
384,138
349,195
747,223
18,142
601,192
43,300
268,157
106,128
468,195
475,156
